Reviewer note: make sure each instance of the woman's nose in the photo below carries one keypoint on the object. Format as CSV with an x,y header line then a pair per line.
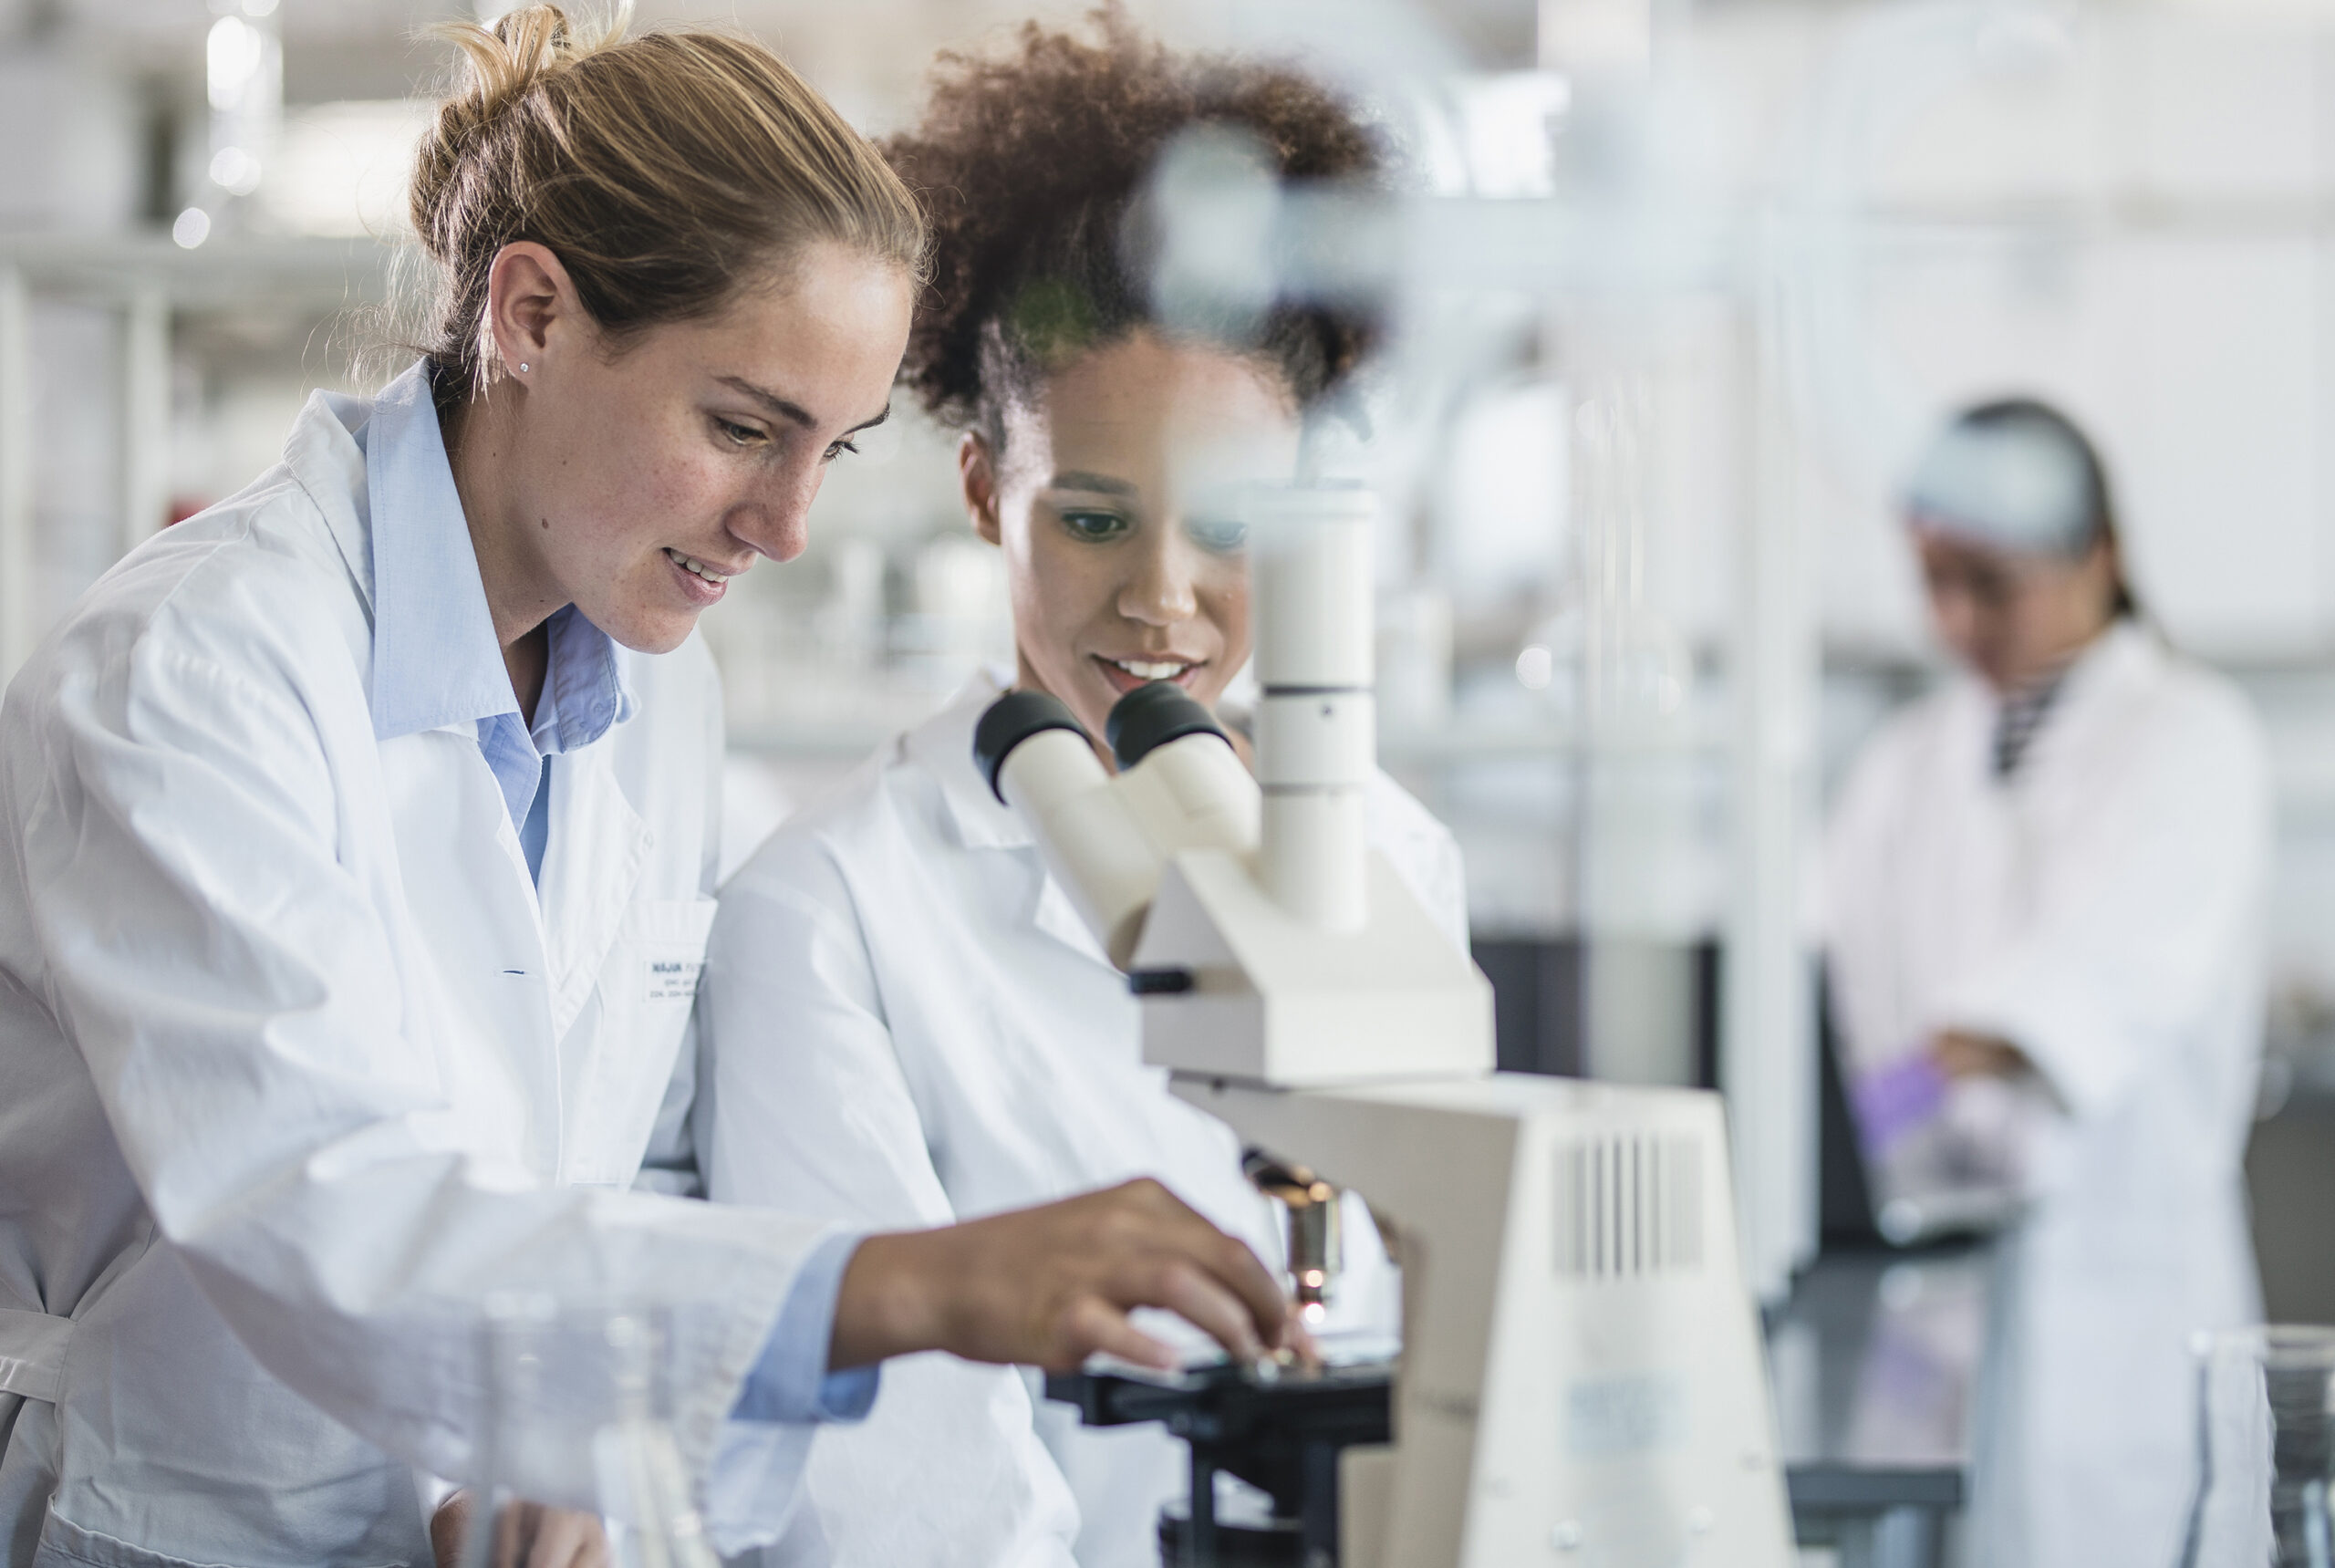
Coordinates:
x,y
1160,592
776,521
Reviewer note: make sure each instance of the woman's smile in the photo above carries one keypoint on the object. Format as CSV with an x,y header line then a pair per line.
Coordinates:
x,y
701,583
1125,673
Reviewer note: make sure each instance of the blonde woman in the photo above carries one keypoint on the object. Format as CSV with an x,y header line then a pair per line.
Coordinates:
x,y
356,842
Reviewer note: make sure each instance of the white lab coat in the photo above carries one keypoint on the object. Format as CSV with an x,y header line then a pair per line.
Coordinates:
x,y
903,1021
2103,912
295,1069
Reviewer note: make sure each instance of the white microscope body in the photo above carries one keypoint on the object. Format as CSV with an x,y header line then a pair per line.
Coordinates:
x,y
1581,1378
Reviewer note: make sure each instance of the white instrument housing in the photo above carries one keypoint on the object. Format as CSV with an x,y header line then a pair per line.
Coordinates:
x,y
1582,1378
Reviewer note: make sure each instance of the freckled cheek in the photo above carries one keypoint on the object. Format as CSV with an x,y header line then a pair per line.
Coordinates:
x,y
675,500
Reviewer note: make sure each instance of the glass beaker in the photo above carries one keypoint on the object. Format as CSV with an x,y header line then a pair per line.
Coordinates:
x,y
2266,1458
579,1437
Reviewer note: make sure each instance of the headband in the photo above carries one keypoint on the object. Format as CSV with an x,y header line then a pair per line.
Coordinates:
x,y
2018,485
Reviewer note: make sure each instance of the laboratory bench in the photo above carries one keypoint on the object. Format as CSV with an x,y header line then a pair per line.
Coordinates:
x,y
1876,1359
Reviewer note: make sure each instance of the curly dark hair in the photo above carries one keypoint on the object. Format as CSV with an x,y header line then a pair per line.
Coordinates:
x,y
1027,164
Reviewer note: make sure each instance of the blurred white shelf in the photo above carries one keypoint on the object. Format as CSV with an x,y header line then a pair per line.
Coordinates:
x,y
1469,739
231,271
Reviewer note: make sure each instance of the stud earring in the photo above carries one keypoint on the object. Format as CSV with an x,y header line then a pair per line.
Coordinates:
x,y
523,365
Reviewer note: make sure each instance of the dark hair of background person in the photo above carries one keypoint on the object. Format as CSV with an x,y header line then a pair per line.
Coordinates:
x,y
1028,162
2099,500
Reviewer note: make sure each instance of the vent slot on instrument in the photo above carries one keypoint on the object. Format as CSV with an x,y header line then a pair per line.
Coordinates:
x,y
1629,1206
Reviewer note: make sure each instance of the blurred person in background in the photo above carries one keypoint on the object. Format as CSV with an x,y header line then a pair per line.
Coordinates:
x,y
904,1019
2044,896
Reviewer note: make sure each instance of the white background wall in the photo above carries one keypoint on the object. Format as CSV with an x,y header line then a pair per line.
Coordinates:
x,y
2123,207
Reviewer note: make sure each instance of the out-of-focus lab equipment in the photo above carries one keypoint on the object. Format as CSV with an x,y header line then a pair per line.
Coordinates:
x,y
1581,1366
2265,1438
581,1419
1315,1242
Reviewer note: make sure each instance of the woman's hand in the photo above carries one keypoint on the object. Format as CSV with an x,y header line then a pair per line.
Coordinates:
x,y
526,1536
1960,1056
1050,1286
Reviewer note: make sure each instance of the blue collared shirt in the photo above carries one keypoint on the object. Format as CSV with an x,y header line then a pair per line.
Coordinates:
x,y
436,661
789,1380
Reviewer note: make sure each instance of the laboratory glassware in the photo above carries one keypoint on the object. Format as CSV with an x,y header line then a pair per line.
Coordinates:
x,y
579,1419
2266,1450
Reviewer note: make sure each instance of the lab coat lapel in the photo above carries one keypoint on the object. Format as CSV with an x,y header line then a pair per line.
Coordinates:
x,y
1054,914
597,847
1983,845
474,925
465,881
2085,724
1957,843
324,457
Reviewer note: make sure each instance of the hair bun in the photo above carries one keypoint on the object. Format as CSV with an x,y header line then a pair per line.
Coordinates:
x,y
500,64
663,174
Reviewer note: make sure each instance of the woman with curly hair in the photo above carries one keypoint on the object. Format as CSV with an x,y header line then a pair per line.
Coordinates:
x,y
905,1021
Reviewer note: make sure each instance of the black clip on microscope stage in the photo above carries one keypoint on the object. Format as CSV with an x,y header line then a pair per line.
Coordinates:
x,y
1279,1429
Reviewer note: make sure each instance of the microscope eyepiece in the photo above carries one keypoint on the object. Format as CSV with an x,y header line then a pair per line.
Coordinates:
x,y
1152,715
1012,720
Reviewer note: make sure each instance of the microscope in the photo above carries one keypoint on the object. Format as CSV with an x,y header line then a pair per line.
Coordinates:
x,y
1580,1379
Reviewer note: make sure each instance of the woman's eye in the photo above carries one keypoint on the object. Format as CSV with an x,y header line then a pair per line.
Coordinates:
x,y
737,434
1090,525
1223,538
839,448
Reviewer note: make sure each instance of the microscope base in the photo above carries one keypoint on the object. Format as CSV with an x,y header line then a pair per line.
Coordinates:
x,y
1284,1434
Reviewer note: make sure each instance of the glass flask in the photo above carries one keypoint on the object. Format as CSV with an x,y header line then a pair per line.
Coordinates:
x,y
579,1423
2265,1418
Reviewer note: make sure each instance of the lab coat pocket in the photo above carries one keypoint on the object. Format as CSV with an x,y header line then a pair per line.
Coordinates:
x,y
646,986
65,1545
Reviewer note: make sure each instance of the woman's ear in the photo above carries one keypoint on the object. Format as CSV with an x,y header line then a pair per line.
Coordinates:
x,y
529,296
976,477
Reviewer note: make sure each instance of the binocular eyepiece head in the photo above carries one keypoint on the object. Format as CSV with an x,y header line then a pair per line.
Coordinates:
x,y
1012,720
1152,715
1141,723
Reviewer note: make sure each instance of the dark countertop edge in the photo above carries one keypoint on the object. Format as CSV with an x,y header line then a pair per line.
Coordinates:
x,y
1864,1489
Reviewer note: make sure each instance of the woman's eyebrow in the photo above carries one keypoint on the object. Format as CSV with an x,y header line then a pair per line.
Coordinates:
x,y
793,412
1101,484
